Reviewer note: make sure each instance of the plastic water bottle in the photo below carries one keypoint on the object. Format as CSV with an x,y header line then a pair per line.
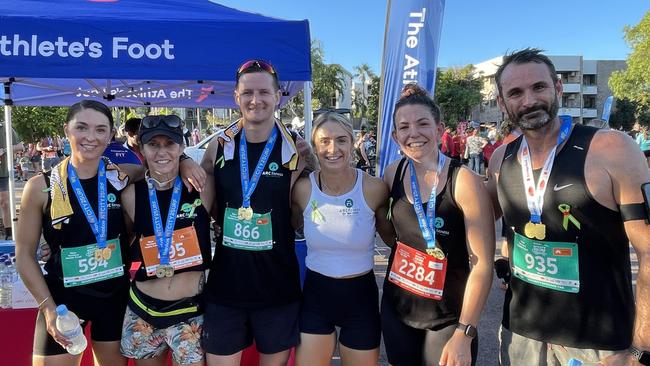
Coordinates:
x,y
6,281
576,362
68,324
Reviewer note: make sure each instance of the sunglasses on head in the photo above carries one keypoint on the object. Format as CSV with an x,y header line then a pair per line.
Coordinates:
x,y
256,64
171,121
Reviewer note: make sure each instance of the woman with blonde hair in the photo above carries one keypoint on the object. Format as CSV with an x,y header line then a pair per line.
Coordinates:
x,y
341,207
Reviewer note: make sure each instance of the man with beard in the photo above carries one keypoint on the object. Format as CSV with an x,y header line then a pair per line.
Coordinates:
x,y
570,293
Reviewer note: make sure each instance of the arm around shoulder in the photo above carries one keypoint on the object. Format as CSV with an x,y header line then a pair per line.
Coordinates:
x,y
377,196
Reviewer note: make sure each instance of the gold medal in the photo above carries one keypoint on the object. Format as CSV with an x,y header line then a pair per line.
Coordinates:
x,y
245,213
160,271
106,253
98,255
436,252
529,230
169,271
540,231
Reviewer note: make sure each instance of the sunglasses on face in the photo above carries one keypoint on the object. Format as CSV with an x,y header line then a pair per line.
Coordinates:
x,y
171,121
256,64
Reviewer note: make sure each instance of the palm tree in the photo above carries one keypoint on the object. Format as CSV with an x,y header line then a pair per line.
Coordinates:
x,y
363,72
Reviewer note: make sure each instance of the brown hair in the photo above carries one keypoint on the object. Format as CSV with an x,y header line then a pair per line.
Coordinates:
x,y
413,94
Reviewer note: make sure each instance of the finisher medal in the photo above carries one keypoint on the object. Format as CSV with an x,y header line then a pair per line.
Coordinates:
x,y
436,252
106,253
245,213
169,271
529,230
160,271
98,255
540,231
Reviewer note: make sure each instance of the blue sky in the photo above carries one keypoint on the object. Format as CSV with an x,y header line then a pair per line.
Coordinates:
x,y
352,31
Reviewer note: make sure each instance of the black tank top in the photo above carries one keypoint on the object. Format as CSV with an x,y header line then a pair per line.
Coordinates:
x,y
416,311
143,225
254,279
77,232
601,314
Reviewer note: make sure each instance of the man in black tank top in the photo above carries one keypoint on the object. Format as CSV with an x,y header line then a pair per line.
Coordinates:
x,y
564,191
253,289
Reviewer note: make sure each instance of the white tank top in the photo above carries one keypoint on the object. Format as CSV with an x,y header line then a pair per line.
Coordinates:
x,y
340,231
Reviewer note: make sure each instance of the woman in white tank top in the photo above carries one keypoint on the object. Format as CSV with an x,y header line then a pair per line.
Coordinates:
x,y
341,208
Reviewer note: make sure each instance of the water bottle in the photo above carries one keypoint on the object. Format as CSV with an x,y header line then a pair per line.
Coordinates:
x,y
6,281
576,362
68,324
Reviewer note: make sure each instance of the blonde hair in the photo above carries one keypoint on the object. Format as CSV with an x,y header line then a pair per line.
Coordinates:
x,y
334,117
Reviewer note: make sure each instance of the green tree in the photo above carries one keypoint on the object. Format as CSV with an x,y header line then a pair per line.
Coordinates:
x,y
623,115
34,123
327,79
634,82
457,92
363,72
374,101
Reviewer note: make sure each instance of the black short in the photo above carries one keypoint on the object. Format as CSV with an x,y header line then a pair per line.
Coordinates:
x,y
228,330
105,314
4,184
405,345
646,153
351,304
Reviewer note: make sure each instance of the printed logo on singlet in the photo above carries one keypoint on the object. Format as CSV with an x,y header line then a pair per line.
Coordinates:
x,y
349,209
272,172
188,210
111,198
440,223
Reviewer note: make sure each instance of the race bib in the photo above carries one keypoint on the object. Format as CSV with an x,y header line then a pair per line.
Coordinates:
x,y
81,268
418,272
183,253
254,234
553,265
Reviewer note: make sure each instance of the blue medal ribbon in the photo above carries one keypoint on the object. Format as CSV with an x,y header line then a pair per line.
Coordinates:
x,y
248,187
97,225
164,235
427,223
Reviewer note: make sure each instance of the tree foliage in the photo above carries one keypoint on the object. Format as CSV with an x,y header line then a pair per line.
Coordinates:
x,y
457,92
374,101
634,82
363,72
623,115
34,123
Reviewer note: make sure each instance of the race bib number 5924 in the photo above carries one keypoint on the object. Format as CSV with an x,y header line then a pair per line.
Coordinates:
x,y
418,272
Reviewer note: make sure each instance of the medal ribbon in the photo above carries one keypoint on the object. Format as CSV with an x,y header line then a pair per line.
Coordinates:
x,y
427,224
535,196
249,187
97,225
566,216
164,234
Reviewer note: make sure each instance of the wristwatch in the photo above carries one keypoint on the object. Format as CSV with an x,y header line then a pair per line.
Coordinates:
x,y
468,329
642,356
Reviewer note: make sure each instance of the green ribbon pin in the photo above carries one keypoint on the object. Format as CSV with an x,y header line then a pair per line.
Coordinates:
x,y
221,162
316,215
389,214
566,213
190,207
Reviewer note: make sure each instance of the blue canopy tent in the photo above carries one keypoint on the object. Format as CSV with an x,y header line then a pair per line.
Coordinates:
x,y
172,53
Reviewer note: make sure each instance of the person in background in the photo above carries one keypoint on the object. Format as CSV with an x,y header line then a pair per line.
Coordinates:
x,y
4,178
131,129
473,150
48,148
447,142
643,140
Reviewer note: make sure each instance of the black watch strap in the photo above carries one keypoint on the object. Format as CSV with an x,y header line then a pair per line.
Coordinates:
x,y
468,329
642,356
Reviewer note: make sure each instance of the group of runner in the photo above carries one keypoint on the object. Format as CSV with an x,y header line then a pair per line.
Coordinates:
x,y
570,290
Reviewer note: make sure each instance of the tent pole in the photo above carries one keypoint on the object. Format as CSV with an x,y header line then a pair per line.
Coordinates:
x,y
10,162
307,109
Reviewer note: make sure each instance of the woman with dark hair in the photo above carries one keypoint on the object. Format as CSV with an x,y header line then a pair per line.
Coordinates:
x,y
440,269
171,227
78,209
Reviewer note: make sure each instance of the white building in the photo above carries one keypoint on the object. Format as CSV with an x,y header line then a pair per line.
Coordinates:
x,y
584,81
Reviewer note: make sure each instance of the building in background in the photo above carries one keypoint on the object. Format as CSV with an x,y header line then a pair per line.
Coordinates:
x,y
584,81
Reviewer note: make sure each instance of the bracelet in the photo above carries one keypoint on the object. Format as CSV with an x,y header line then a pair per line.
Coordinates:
x,y
43,302
183,157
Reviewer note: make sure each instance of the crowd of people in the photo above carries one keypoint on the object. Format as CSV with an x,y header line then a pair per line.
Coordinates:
x,y
567,266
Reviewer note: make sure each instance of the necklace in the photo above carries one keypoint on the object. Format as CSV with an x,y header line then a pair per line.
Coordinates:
x,y
163,184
